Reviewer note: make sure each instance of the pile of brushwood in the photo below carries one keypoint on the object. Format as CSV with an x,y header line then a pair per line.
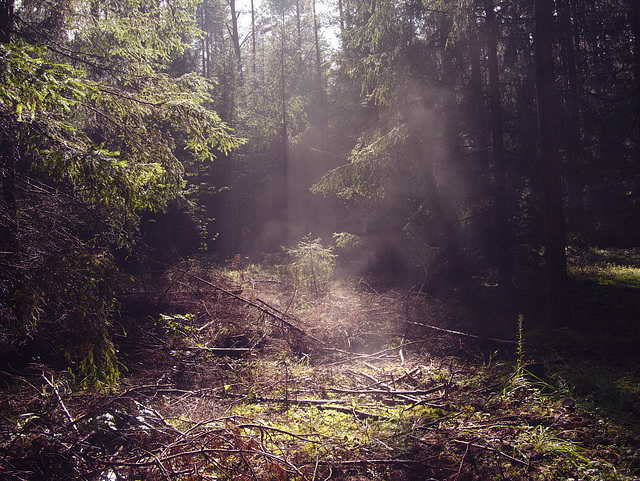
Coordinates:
x,y
231,374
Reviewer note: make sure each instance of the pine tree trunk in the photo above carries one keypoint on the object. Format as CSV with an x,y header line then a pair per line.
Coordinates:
x,y
282,174
636,49
555,256
477,112
253,38
235,36
502,228
320,92
575,167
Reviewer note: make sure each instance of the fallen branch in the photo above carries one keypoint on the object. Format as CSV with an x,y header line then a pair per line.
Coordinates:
x,y
263,427
268,310
495,450
383,385
64,408
466,451
320,404
361,462
463,334
397,392
225,351
155,460
354,356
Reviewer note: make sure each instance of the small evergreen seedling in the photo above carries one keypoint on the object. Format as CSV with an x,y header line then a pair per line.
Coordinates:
x,y
312,264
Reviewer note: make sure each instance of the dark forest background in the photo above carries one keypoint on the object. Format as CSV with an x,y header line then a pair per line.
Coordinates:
x,y
450,145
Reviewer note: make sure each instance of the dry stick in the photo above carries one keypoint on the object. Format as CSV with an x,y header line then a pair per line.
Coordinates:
x,y
409,375
246,461
315,469
370,378
157,388
463,334
267,311
404,334
324,404
262,427
437,421
357,462
162,469
495,450
397,392
371,366
466,451
141,464
356,356
64,408
385,386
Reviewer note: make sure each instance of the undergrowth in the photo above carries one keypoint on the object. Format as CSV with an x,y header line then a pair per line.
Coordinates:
x,y
235,381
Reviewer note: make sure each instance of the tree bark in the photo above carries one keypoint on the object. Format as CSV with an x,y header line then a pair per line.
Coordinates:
x,y
477,113
205,39
253,38
555,255
575,168
636,50
298,38
320,92
282,196
235,36
502,227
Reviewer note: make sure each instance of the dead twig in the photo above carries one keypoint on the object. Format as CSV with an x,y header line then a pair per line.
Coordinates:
x,y
64,408
358,356
263,427
385,386
361,462
492,449
398,392
466,451
463,334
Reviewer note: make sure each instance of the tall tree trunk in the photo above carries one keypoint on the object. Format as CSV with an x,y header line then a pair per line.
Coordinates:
x,y
636,49
555,256
282,196
253,38
448,172
298,38
321,94
235,36
8,131
317,47
502,227
205,38
575,168
341,14
477,113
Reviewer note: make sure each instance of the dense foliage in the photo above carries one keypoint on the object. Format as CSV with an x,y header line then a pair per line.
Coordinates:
x,y
97,127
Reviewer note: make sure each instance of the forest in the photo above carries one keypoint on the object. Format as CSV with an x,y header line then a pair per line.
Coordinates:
x,y
319,239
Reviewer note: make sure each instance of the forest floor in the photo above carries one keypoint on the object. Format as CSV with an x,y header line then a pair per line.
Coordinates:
x,y
233,374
